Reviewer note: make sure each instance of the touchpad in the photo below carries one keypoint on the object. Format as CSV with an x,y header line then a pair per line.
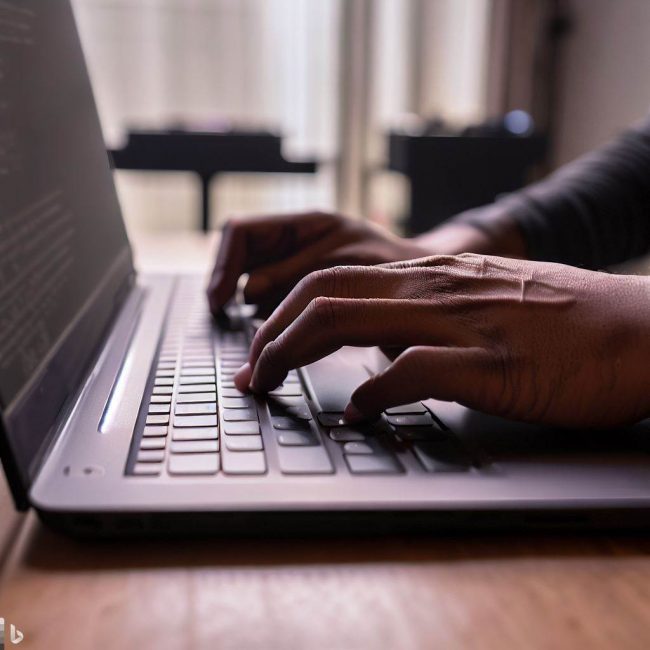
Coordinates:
x,y
335,377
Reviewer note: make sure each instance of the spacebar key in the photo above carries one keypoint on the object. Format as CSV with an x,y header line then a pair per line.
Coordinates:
x,y
304,460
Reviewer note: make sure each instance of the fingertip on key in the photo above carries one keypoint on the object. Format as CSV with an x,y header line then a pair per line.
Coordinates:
x,y
242,377
352,414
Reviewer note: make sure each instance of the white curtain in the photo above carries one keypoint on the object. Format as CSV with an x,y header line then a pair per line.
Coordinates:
x,y
275,64
255,63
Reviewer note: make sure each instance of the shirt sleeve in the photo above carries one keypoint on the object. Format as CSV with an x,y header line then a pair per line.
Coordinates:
x,y
593,212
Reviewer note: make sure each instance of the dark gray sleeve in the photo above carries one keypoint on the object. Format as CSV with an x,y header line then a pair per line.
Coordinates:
x,y
593,212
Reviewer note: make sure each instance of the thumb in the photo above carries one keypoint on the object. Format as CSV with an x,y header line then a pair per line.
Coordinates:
x,y
450,374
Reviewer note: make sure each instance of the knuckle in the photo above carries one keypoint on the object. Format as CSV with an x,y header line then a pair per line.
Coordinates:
x,y
323,310
338,280
321,278
309,285
232,224
440,281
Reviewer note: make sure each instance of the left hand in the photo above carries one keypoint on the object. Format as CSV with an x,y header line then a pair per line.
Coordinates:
x,y
531,341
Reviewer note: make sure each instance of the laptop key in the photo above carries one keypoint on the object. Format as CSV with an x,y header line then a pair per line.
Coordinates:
x,y
372,464
369,446
304,460
153,443
163,390
197,371
243,443
196,433
237,402
161,399
289,424
146,469
159,408
231,363
198,364
157,419
195,420
155,431
202,408
332,419
188,380
346,434
196,388
194,446
199,357
195,398
241,428
232,392
244,462
287,390
164,381
239,415
193,464
298,438
407,408
300,411
417,420
151,456
280,405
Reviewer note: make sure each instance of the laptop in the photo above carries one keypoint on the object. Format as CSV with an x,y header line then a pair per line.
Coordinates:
x,y
119,414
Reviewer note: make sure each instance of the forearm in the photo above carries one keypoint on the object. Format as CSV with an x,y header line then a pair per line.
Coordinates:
x,y
593,212
488,230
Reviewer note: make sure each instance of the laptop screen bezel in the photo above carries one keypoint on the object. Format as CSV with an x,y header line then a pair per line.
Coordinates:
x,y
29,421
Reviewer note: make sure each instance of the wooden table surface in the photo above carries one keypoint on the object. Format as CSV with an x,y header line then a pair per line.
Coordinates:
x,y
462,591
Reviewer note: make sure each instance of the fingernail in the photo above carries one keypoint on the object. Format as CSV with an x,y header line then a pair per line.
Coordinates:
x,y
243,376
352,413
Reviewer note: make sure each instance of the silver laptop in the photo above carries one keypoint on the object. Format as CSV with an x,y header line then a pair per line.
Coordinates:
x,y
119,412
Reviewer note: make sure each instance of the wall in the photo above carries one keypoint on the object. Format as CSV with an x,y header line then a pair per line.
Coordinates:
x,y
605,74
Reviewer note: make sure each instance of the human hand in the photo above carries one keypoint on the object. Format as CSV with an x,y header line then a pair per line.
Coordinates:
x,y
531,341
278,251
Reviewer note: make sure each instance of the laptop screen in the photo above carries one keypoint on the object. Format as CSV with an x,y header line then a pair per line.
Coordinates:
x,y
63,247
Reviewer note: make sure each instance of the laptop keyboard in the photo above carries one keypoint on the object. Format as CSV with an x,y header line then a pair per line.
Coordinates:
x,y
195,422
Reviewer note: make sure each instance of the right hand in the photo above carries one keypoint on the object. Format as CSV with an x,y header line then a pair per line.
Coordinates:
x,y
531,341
278,251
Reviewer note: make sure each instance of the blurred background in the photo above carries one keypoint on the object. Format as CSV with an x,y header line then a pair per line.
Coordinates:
x,y
399,111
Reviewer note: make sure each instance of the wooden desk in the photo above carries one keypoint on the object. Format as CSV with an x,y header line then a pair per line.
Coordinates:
x,y
498,592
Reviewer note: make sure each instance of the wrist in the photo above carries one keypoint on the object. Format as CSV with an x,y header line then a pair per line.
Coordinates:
x,y
452,239
488,230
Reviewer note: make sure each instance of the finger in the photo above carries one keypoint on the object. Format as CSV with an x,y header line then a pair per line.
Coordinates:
x,y
291,270
330,323
451,374
339,282
468,265
252,242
